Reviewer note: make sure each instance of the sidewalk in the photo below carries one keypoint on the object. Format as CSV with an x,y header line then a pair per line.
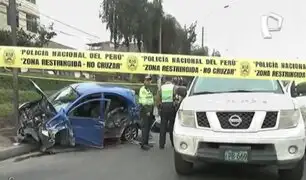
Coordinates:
x,y
8,147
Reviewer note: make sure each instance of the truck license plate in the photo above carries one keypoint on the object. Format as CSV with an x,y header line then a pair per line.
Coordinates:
x,y
236,156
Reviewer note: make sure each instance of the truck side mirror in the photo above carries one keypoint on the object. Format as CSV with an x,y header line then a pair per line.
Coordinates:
x,y
301,88
182,91
293,90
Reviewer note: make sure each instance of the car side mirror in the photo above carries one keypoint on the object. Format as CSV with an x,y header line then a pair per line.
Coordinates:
x,y
181,91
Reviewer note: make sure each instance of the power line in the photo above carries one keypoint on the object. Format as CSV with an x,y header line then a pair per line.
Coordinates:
x,y
66,24
56,30
70,26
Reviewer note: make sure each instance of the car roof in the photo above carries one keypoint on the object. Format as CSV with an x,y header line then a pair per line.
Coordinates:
x,y
96,87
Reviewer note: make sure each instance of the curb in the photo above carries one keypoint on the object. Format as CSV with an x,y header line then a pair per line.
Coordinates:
x,y
16,150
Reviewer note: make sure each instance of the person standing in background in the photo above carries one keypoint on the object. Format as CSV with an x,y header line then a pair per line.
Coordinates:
x,y
167,111
146,101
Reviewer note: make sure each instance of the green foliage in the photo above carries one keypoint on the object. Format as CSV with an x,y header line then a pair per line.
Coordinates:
x,y
27,92
6,110
43,36
199,51
25,85
7,96
139,21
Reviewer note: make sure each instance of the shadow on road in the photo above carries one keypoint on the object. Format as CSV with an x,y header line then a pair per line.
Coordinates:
x,y
111,143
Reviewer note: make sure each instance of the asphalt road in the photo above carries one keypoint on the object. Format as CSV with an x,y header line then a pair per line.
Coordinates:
x,y
118,162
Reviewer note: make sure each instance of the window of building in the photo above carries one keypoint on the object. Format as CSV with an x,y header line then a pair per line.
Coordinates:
x,y
32,24
32,1
8,16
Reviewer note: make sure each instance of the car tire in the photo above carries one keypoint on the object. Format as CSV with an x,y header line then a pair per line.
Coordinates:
x,y
295,173
182,167
130,133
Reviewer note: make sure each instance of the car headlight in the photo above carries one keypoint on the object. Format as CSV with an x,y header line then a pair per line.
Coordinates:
x,y
186,118
289,118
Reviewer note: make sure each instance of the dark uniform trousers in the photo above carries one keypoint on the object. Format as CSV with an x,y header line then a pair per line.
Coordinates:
x,y
146,113
167,121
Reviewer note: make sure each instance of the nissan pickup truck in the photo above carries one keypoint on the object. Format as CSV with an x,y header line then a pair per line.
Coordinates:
x,y
240,121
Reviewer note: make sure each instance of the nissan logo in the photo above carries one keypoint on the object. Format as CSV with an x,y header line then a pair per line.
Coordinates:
x,y
235,120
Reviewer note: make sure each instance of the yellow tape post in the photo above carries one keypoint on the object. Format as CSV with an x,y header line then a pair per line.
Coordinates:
x,y
146,63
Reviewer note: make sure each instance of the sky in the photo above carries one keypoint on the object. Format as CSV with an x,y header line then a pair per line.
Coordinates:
x,y
235,31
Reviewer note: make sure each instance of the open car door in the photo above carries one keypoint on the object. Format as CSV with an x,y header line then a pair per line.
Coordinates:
x,y
88,122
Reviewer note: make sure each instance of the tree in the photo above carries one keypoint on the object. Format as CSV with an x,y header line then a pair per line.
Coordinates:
x,y
109,14
199,51
216,53
139,21
189,38
27,39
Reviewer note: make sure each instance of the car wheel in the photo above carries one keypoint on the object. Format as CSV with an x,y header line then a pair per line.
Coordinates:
x,y
130,133
295,173
182,167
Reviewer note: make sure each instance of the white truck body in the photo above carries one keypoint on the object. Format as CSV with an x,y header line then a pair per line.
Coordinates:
x,y
262,124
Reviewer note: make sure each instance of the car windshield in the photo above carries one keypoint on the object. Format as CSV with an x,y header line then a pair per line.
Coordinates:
x,y
218,85
63,97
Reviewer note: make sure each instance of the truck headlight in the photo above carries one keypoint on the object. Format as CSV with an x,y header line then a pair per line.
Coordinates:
x,y
45,132
186,118
289,118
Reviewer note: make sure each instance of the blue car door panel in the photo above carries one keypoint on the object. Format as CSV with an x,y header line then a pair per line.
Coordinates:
x,y
87,120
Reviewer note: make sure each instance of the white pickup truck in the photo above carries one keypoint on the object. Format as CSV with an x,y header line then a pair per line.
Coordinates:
x,y
240,121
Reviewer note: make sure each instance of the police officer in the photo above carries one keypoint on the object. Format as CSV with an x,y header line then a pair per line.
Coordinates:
x,y
146,101
167,111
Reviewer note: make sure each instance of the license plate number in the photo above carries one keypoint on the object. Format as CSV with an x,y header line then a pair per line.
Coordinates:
x,y
236,156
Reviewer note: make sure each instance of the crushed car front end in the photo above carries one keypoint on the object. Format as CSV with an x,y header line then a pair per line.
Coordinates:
x,y
40,122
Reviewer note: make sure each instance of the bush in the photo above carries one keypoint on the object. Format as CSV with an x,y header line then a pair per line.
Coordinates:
x,y
6,109
6,96
27,92
25,85
51,84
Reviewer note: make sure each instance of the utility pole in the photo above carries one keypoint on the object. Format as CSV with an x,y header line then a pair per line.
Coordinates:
x,y
13,22
160,44
203,37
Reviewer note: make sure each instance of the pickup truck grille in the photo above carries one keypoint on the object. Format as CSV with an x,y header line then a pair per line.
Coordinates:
x,y
270,120
202,120
246,119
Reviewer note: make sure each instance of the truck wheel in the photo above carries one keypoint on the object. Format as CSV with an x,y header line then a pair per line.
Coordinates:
x,y
182,167
295,173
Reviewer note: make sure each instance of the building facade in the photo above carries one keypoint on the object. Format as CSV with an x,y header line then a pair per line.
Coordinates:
x,y
27,15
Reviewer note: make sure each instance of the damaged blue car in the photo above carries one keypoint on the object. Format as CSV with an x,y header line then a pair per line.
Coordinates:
x,y
81,113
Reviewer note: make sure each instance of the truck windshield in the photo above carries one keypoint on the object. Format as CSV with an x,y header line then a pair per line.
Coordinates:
x,y
218,85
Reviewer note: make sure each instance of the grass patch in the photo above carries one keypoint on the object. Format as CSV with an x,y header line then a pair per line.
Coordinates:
x,y
6,96
6,109
6,100
27,92
52,84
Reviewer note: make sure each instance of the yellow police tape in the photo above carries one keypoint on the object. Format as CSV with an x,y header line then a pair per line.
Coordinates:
x,y
145,63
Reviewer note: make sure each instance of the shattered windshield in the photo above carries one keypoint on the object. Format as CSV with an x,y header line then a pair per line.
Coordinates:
x,y
63,97
217,85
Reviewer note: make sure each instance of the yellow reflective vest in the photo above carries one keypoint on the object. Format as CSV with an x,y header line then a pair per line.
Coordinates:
x,y
145,97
